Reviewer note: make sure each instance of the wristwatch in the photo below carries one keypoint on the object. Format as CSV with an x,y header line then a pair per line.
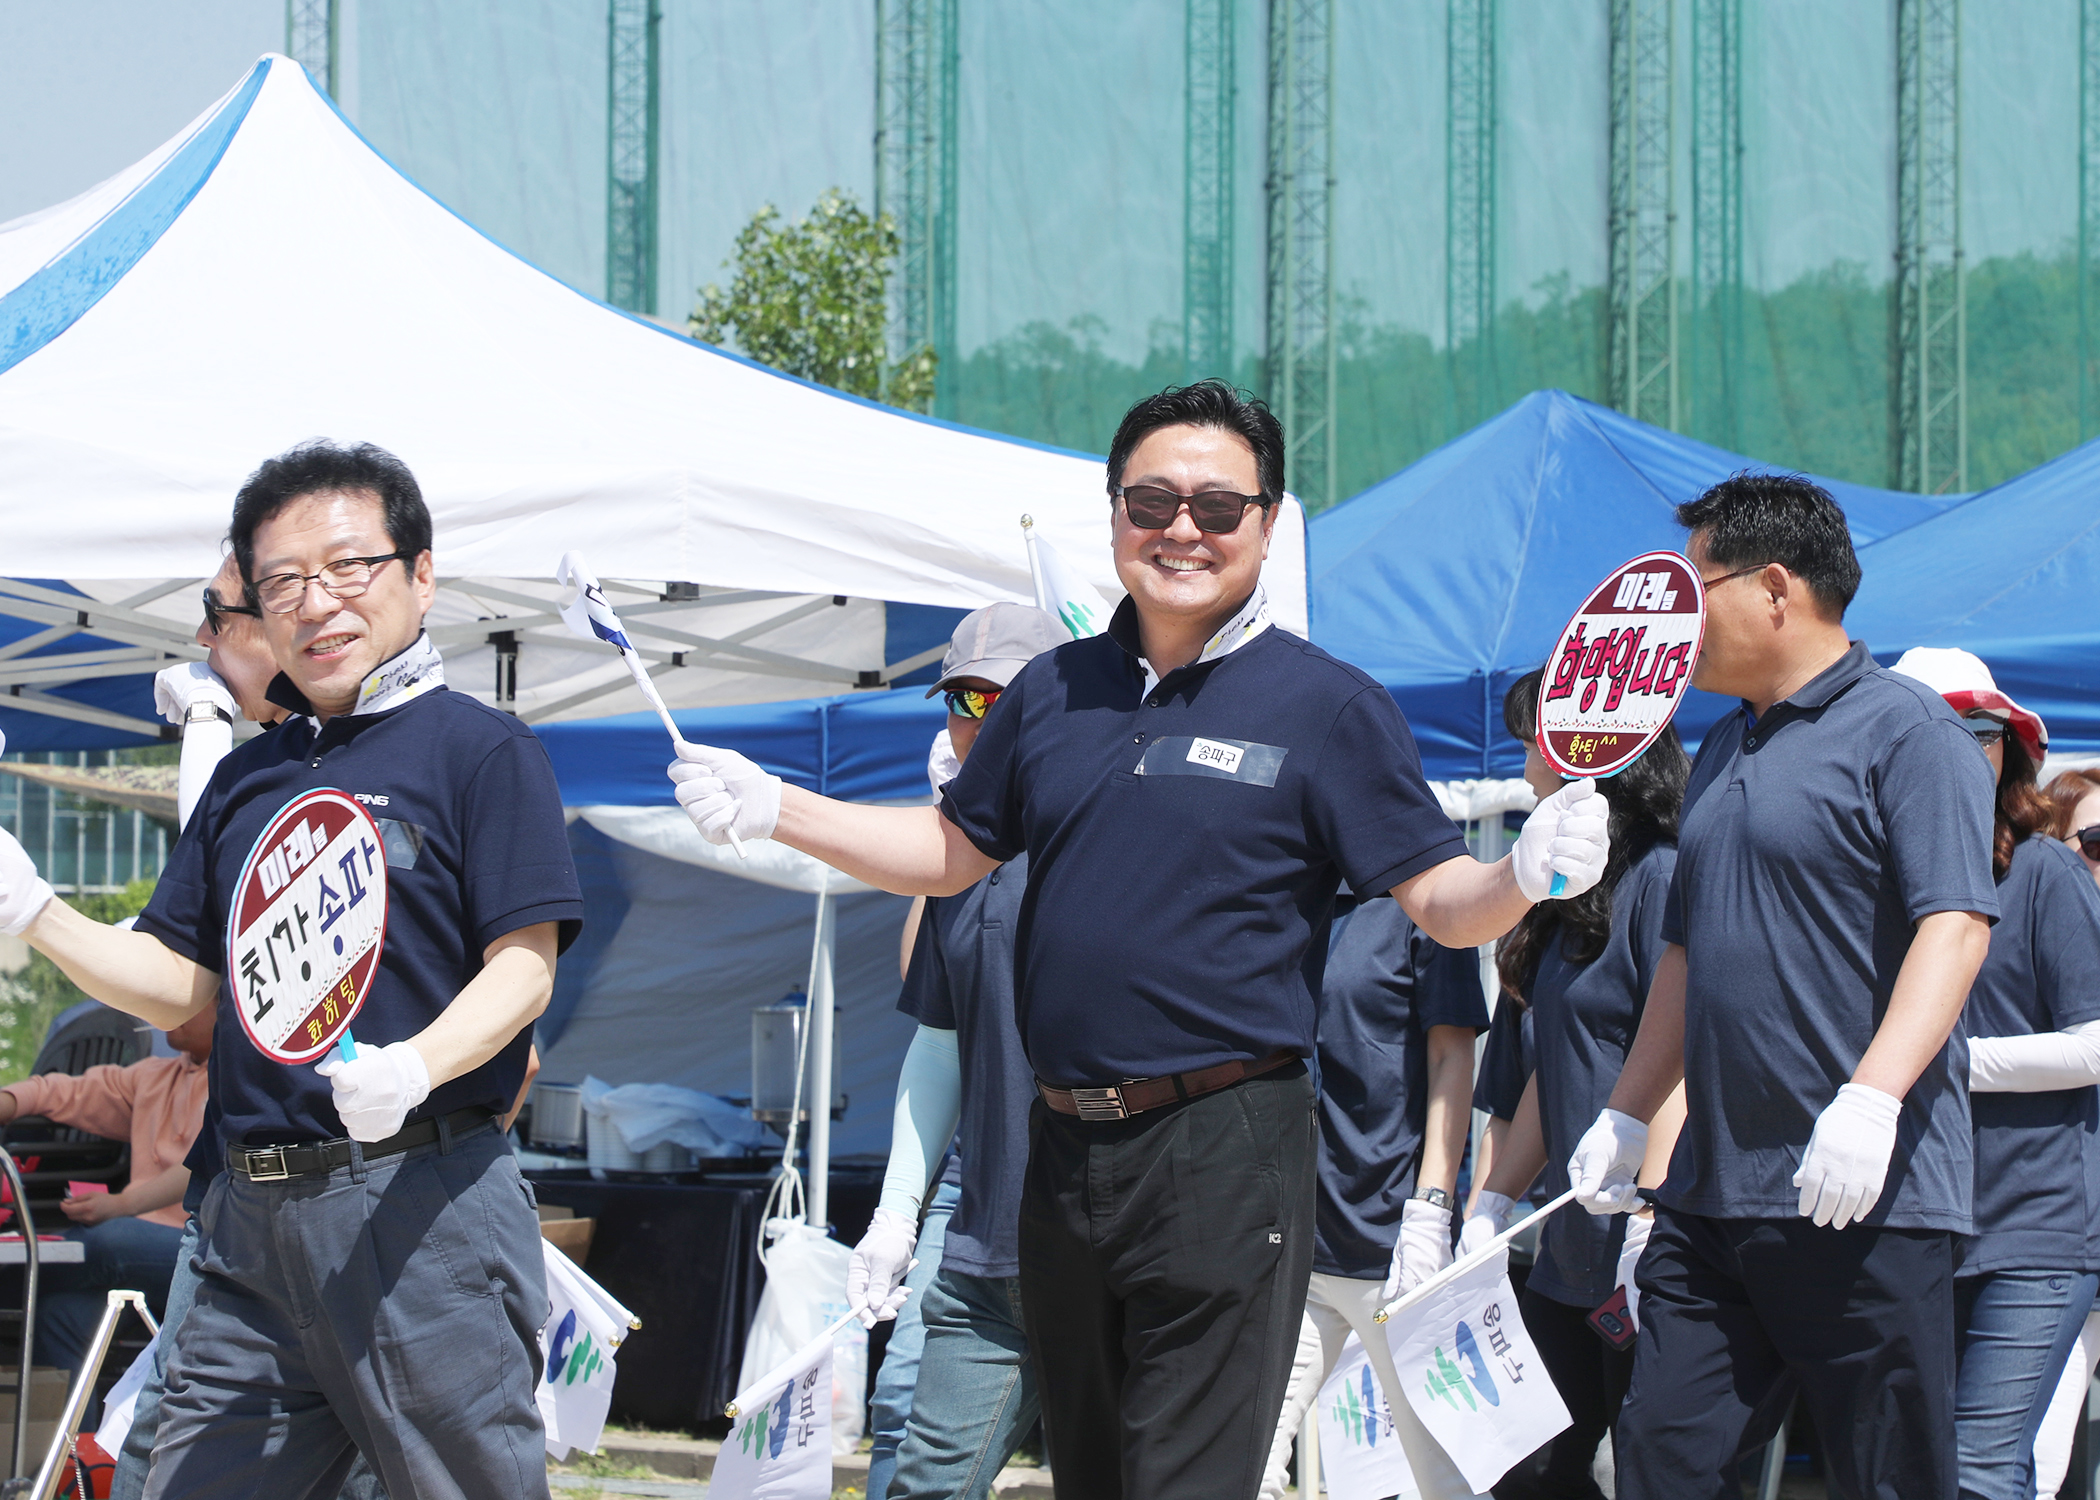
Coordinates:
x,y
205,713
1432,1195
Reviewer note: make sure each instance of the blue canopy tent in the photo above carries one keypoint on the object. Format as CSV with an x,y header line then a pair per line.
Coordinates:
x,y
1447,581
2009,574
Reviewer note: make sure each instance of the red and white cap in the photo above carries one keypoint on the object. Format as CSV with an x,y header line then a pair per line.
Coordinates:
x,y
1966,683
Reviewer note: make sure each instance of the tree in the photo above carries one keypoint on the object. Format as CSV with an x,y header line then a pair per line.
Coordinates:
x,y
810,298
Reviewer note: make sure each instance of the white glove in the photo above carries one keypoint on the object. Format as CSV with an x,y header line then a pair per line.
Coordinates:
x,y
1423,1249
1565,835
1489,1218
23,892
1848,1156
1637,1227
941,764
176,688
721,790
1606,1162
875,1276
375,1093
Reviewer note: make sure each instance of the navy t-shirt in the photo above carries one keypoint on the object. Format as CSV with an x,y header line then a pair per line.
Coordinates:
x,y
1387,983
1813,841
1585,1017
1506,1061
477,849
961,979
1186,845
2038,1155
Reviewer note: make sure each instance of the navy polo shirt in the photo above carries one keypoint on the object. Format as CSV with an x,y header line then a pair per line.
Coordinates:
x,y
961,979
1585,1018
479,849
1506,1061
1387,983
1812,842
2038,1155
1186,844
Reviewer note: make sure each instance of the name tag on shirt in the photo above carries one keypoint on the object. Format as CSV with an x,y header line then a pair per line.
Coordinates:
x,y
1226,760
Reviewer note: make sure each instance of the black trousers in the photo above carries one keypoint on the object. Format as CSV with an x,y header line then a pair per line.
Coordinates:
x,y
1591,1377
1738,1314
1164,1262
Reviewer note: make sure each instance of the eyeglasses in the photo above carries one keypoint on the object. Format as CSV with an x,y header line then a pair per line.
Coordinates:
x,y
1709,583
1153,507
1988,732
2088,841
215,612
345,578
971,703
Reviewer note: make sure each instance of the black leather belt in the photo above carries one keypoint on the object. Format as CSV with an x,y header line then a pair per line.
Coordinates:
x,y
280,1163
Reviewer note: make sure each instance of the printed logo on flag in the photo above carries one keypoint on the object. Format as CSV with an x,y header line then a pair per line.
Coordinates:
x,y
308,925
1447,1382
569,1359
1359,1448
1619,668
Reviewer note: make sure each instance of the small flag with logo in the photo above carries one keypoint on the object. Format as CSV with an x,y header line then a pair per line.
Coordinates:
x,y
1062,590
1472,1374
583,1330
779,1446
1359,1452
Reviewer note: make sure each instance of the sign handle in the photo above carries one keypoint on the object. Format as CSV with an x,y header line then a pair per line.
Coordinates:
x,y
346,1046
1559,886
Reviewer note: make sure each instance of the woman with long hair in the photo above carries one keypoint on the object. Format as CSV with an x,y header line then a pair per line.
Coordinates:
x,y
1581,968
2029,1272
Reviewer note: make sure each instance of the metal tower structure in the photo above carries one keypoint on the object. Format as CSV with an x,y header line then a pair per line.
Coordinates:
x,y
1300,279
1469,209
631,153
310,38
1929,425
916,65
1206,210
1644,210
2088,217
1716,342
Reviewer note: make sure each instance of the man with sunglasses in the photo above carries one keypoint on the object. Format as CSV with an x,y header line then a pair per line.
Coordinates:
x,y
1830,908
371,1277
1191,788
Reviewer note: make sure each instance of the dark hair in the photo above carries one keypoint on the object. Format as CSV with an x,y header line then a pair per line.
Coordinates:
x,y
2022,808
1753,518
1207,403
2065,791
320,467
1645,800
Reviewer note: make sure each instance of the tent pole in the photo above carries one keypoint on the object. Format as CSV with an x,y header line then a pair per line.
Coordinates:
x,y
820,1083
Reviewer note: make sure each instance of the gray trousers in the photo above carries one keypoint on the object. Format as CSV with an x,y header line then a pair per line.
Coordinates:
x,y
391,1307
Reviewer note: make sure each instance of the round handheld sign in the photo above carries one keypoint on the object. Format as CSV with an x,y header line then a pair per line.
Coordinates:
x,y
1619,669
309,922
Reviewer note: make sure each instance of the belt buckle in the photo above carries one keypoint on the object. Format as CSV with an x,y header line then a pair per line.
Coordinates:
x,y
1100,1104
253,1156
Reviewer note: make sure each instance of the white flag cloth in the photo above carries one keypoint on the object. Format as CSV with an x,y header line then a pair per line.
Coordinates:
x,y
584,1329
1063,590
121,1404
1472,1374
1360,1453
779,1448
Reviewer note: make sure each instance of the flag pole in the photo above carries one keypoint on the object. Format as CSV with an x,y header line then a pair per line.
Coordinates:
x,y
1458,1268
1035,568
787,1367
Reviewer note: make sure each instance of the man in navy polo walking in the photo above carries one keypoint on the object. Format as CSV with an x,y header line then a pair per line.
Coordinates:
x,y
1190,788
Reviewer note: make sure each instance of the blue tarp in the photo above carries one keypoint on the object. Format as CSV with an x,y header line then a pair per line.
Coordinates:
x,y
2012,574
1449,580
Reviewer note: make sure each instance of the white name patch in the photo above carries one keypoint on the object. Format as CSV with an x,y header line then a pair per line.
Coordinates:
x,y
1225,758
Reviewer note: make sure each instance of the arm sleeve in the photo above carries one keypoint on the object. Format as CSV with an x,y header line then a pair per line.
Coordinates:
x,y
926,997
98,1101
514,845
1371,808
1448,986
984,800
1500,1088
204,745
1934,796
2042,1063
929,1105
1649,901
2065,935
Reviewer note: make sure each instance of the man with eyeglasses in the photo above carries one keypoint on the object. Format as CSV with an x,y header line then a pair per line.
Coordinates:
x,y
371,1277
1190,789
1830,908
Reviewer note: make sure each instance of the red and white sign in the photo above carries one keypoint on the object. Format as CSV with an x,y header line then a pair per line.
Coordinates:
x,y
309,921
1621,666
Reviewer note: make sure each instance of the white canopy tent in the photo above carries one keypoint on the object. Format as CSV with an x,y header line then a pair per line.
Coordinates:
x,y
266,277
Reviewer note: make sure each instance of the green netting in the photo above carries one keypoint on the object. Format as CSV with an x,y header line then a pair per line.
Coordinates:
x,y
1070,175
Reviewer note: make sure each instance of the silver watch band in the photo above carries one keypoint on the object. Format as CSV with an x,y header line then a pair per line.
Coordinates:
x,y
1432,1195
205,713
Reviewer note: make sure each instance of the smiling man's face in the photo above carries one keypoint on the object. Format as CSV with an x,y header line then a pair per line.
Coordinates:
x,y
328,646
1182,571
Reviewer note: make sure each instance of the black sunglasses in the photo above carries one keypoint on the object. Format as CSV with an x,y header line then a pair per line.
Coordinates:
x,y
2088,840
1154,507
214,611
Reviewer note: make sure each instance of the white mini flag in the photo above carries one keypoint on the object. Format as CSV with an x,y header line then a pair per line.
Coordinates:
x,y
1472,1375
584,1329
1360,1453
779,1448
121,1404
1063,591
